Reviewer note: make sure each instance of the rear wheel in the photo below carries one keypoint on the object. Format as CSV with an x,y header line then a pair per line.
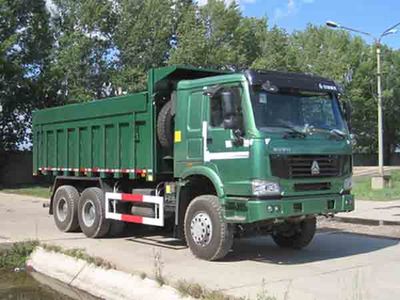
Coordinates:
x,y
295,235
65,208
91,213
207,235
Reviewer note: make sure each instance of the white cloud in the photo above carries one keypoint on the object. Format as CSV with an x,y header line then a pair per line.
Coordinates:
x,y
291,8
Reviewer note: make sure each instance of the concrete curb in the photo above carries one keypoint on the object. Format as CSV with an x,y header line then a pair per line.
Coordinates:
x,y
363,221
99,282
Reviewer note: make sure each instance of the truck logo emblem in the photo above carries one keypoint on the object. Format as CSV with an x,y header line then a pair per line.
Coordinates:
x,y
315,168
329,87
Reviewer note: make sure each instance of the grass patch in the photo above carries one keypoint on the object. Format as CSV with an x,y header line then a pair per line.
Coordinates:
x,y
362,189
80,254
41,191
196,291
17,255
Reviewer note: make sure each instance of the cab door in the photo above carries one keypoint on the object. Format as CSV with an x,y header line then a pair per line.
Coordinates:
x,y
228,151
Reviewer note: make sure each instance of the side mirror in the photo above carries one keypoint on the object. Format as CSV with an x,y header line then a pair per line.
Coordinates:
x,y
347,112
228,104
232,119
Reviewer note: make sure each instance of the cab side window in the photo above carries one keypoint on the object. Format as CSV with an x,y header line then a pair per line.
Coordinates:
x,y
217,106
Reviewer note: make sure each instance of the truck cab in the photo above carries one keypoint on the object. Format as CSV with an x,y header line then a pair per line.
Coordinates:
x,y
275,146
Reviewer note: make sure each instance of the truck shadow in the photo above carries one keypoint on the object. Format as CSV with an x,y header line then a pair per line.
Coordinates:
x,y
152,236
325,246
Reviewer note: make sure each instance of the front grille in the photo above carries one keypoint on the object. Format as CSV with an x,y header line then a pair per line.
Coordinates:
x,y
301,166
319,186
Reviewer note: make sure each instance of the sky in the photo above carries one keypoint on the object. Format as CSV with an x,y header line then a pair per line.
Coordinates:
x,y
373,16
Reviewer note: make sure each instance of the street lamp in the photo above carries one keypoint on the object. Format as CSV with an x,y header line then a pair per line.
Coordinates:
x,y
382,180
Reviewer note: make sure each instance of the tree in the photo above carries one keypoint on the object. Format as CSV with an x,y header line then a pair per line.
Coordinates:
x,y
81,61
143,39
25,42
275,51
87,49
319,50
216,35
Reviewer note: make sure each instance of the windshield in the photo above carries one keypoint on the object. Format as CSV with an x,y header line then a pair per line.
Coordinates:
x,y
296,110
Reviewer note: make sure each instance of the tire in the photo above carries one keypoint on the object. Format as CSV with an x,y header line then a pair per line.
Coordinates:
x,y
165,126
299,235
91,213
65,208
206,209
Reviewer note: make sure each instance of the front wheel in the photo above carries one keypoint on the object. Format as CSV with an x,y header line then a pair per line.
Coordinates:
x,y
295,235
207,235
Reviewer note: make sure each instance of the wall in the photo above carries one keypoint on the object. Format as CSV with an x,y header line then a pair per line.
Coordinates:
x,y
16,169
360,159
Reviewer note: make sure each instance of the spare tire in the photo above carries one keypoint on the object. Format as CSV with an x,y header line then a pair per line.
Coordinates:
x,y
165,125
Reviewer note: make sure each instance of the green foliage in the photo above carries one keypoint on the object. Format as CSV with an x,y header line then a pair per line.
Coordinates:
x,y
16,256
196,291
86,49
362,189
35,191
83,33
276,52
25,43
79,254
218,36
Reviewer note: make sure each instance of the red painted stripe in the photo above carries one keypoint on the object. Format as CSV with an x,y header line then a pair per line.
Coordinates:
x,y
132,197
132,219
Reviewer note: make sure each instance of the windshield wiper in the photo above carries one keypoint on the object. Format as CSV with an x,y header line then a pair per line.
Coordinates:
x,y
338,133
333,132
294,131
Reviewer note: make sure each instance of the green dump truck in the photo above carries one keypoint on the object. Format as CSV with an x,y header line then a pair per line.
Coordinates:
x,y
211,155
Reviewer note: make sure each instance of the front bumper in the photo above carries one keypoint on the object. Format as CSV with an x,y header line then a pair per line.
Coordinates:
x,y
244,210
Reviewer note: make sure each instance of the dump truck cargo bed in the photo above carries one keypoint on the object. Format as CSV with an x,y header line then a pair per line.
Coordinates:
x,y
110,137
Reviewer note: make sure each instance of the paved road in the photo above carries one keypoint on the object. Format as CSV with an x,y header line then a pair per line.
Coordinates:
x,y
379,211
337,265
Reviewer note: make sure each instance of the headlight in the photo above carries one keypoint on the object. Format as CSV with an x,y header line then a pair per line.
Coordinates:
x,y
348,184
265,188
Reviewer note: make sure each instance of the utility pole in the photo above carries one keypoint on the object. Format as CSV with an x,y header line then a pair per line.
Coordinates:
x,y
380,117
381,181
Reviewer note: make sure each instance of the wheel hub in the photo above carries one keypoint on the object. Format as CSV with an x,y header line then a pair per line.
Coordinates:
x,y
201,229
89,213
62,209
